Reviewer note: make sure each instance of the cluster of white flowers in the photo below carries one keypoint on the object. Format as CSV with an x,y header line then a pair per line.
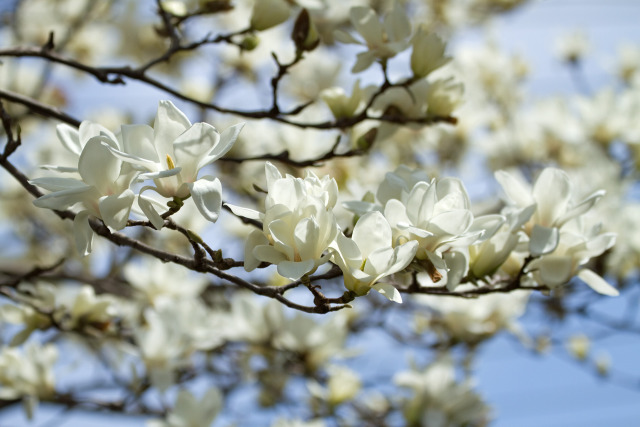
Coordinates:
x,y
429,226
171,154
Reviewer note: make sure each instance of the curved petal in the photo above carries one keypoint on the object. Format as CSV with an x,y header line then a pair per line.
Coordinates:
x,y
255,239
597,283
517,190
227,139
97,165
82,233
69,137
388,291
191,149
396,24
63,199
137,141
207,195
363,61
366,22
543,240
552,192
295,270
245,212
372,232
344,37
53,183
115,209
168,125
267,253
306,236
149,211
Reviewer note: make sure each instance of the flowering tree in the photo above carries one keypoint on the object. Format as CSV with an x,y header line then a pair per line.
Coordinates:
x,y
187,264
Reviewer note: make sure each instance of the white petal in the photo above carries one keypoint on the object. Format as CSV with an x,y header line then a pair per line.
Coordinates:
x,y
388,291
150,211
168,125
366,22
372,232
267,253
207,195
544,240
97,166
363,61
272,173
344,37
63,199
306,236
57,184
69,137
597,283
227,139
517,190
82,233
137,141
295,270
115,209
245,212
160,174
255,238
552,192
191,149
396,24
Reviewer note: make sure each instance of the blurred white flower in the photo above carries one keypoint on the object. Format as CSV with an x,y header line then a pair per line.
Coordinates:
x,y
27,374
383,40
190,411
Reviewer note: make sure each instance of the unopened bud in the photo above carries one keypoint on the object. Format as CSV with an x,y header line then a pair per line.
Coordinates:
x,y
249,43
578,346
269,13
304,34
366,141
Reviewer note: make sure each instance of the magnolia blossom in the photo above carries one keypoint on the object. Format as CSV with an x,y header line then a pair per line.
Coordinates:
x,y
189,411
428,53
102,192
384,40
298,224
342,386
27,374
172,154
341,105
566,260
551,197
369,256
438,399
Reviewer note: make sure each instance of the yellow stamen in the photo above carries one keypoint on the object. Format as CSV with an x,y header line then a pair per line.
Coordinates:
x,y
170,163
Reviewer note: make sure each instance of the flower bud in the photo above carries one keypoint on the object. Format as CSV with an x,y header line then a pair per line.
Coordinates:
x,y
305,34
427,54
249,43
269,13
578,346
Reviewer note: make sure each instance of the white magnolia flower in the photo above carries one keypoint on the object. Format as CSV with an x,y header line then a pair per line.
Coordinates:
x,y
341,105
551,197
342,386
27,374
428,53
172,154
102,192
157,280
369,255
475,320
383,39
192,412
438,399
573,250
298,224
